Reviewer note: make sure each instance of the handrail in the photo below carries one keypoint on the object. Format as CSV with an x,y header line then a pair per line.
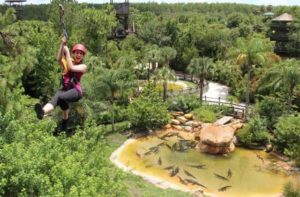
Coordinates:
x,y
211,100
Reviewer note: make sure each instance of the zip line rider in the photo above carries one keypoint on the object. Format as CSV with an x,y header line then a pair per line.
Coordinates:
x,y
71,88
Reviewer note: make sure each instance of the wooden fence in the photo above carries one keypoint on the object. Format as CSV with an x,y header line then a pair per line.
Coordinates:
x,y
238,108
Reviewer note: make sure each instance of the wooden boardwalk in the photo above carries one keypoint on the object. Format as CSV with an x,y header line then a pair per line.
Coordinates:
x,y
223,120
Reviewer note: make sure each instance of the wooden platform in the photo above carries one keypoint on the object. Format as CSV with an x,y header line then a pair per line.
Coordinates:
x,y
223,120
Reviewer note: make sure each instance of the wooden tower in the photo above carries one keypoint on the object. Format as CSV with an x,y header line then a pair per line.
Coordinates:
x,y
122,14
280,28
17,5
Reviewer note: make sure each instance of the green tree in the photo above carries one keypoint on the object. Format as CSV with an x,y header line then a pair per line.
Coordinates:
x,y
287,135
164,74
95,26
271,109
235,19
284,76
187,55
202,68
168,53
54,166
112,84
153,56
251,52
148,111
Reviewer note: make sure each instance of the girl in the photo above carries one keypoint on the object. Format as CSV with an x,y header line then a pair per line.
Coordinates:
x,y
71,90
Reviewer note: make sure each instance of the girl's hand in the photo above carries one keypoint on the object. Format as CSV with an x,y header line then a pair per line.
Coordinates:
x,y
63,40
66,50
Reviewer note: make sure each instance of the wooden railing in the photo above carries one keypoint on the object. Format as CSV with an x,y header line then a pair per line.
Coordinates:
x,y
238,108
219,101
190,90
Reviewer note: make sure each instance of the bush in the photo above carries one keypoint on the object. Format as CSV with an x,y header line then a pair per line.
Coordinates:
x,y
38,164
244,136
34,163
220,110
148,111
120,114
271,109
294,152
184,103
290,191
205,115
254,133
287,134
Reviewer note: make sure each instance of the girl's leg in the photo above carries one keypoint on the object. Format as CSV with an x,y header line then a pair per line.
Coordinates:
x,y
41,111
66,114
48,108
61,96
65,120
68,96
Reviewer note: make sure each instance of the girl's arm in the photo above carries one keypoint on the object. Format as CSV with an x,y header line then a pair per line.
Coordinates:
x,y
61,50
77,68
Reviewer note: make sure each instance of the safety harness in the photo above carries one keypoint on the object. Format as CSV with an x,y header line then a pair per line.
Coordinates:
x,y
68,79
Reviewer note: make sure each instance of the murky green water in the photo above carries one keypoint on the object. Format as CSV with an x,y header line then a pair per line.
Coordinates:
x,y
250,175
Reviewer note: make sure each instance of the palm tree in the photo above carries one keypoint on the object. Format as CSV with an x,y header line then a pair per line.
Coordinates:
x,y
153,56
165,74
201,67
285,75
250,52
112,83
168,54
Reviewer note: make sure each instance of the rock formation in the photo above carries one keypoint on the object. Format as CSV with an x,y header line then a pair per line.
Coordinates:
x,y
211,138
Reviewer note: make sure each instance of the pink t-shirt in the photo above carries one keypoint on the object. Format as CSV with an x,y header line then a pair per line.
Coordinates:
x,y
68,76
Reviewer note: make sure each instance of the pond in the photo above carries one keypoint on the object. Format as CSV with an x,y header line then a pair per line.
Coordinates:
x,y
244,172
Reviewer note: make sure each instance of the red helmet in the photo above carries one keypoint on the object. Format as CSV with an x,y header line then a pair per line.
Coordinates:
x,y
79,47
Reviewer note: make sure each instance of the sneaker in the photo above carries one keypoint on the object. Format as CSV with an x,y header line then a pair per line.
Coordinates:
x,y
64,125
39,111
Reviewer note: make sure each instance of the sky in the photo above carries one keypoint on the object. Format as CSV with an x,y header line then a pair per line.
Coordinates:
x,y
256,2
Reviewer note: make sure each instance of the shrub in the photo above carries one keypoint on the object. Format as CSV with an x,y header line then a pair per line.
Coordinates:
x,y
220,110
291,191
294,152
38,164
184,103
244,135
254,133
287,134
120,114
34,163
205,115
148,111
271,109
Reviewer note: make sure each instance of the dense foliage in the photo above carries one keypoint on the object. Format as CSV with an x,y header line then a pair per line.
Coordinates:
x,y
254,133
227,43
287,134
148,110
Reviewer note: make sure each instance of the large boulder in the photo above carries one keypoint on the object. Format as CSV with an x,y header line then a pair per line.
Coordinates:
x,y
215,149
216,139
217,135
